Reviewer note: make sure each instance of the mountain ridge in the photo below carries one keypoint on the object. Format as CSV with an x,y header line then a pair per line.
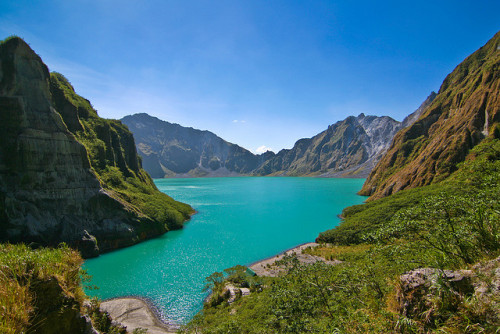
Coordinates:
x,y
465,111
348,148
169,149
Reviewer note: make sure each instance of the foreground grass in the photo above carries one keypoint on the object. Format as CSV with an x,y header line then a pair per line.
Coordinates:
x,y
41,291
20,268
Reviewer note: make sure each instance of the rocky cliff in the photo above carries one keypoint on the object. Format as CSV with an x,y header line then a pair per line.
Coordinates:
x,y
348,148
414,116
170,149
67,175
464,112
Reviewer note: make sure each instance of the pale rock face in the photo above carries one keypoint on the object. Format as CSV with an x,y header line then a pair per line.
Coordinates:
x,y
348,148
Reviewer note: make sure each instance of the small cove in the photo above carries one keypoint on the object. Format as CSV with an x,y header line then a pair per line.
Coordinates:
x,y
239,221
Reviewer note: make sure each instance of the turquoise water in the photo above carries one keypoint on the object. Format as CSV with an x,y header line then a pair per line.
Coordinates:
x,y
239,221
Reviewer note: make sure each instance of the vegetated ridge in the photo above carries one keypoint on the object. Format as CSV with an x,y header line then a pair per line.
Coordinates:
x,y
67,175
465,111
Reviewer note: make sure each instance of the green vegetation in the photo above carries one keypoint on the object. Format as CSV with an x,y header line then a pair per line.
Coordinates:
x,y
8,38
19,267
113,157
471,181
452,225
41,284
430,150
359,221
236,276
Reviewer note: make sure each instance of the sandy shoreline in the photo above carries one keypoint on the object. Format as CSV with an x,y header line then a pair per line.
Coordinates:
x,y
139,312
296,248
266,267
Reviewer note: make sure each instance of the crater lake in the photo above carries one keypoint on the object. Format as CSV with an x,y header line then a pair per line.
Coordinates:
x,y
239,220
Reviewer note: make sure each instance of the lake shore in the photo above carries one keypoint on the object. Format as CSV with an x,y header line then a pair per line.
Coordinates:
x,y
138,312
268,267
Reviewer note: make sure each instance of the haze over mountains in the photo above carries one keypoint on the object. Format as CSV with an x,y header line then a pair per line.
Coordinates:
x,y
348,148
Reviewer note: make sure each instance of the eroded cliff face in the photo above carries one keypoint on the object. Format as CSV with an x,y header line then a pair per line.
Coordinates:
x,y
49,190
465,111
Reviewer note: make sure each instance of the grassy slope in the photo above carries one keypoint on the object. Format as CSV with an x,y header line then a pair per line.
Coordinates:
x,y
42,291
111,153
361,221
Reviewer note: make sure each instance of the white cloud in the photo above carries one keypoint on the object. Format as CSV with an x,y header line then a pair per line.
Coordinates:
x,y
262,149
238,121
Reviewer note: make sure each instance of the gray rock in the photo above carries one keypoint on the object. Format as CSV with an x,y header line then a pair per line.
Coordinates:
x,y
348,148
88,246
135,313
421,292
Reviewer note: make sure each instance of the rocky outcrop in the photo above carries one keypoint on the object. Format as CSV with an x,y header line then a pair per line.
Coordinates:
x,y
49,189
419,288
271,267
172,150
465,111
348,148
428,295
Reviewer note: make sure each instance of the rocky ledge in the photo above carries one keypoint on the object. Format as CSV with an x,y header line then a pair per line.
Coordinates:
x,y
423,292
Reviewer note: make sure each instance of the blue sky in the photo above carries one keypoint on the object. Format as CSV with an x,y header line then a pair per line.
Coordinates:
x,y
257,73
